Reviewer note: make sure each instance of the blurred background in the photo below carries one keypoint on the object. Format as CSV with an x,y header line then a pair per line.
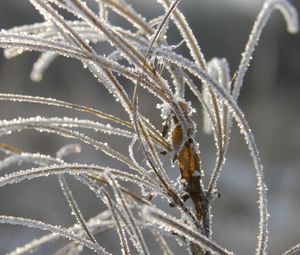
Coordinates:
x,y
269,99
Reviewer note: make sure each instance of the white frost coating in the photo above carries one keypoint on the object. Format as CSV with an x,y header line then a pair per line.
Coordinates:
x,y
54,229
207,126
98,224
75,208
291,17
137,236
35,158
186,33
72,169
41,65
59,103
171,224
132,157
292,250
81,11
68,150
126,11
118,92
76,135
46,30
59,23
221,69
35,43
31,42
120,224
22,123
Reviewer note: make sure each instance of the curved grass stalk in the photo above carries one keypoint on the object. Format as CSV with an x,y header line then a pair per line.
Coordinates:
x,y
82,11
70,42
26,42
58,21
75,208
140,243
44,160
55,229
41,65
291,18
47,31
162,243
76,135
20,123
53,102
73,169
117,209
103,76
99,224
126,11
64,104
187,34
222,71
120,230
295,249
64,151
171,9
170,224
35,158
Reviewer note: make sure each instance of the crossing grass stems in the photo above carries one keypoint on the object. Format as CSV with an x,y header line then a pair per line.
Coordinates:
x,y
131,214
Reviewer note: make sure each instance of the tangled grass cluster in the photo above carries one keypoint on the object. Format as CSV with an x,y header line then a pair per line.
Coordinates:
x,y
136,51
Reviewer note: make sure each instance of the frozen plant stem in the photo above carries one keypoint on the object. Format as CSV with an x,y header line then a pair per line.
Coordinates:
x,y
133,193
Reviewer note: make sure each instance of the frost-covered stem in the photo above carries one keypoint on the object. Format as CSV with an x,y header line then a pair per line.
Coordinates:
x,y
129,107
187,34
212,184
41,65
162,243
249,138
291,18
68,105
152,157
26,42
292,250
223,77
168,223
72,169
173,102
170,10
120,231
82,10
128,13
98,224
75,208
96,144
54,229
136,231
53,17
53,102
